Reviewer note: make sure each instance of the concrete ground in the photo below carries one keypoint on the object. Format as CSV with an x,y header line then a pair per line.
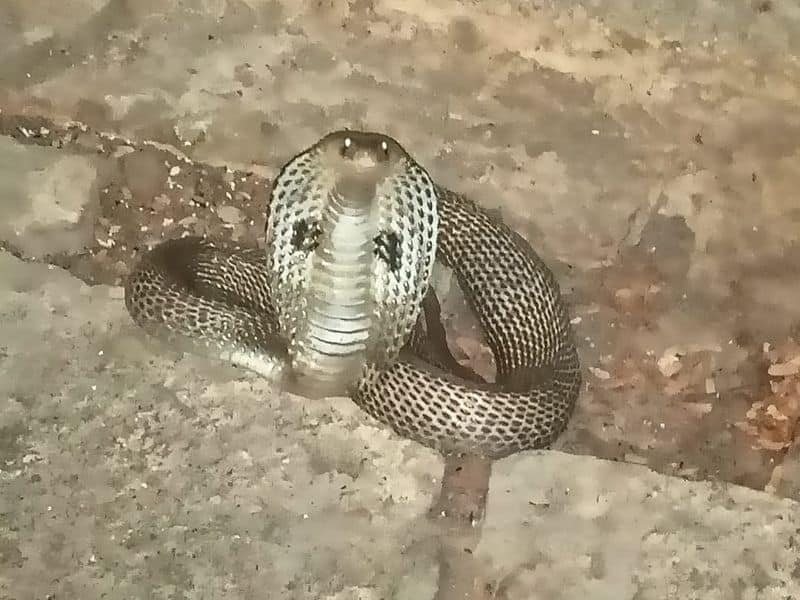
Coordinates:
x,y
650,153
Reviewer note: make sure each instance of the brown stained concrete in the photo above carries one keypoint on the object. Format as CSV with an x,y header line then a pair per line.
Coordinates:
x,y
651,156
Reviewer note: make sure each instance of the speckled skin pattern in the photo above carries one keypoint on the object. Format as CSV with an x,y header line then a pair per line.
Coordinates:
x,y
235,304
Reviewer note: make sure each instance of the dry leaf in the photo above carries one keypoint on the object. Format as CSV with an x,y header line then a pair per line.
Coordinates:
x,y
600,373
669,365
785,369
774,421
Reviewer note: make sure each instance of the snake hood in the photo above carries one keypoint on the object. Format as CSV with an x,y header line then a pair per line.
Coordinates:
x,y
351,241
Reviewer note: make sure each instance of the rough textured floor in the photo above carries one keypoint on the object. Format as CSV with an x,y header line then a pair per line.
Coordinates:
x,y
652,156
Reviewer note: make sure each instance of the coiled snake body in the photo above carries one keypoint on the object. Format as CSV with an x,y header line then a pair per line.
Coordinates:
x,y
353,230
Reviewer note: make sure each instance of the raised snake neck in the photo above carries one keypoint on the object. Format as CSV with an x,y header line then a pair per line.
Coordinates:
x,y
333,223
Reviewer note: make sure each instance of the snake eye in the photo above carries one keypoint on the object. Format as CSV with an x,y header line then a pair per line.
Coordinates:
x,y
385,147
346,145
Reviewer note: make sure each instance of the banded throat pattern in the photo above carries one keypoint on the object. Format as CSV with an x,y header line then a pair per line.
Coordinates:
x,y
351,242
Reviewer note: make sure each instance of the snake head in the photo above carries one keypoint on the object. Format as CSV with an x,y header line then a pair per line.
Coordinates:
x,y
372,150
361,162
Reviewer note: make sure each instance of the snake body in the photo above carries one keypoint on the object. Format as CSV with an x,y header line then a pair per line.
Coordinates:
x,y
354,227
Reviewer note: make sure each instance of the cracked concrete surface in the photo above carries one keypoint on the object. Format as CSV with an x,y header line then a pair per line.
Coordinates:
x,y
650,155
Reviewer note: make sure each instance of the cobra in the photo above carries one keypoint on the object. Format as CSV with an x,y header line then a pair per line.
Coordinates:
x,y
354,228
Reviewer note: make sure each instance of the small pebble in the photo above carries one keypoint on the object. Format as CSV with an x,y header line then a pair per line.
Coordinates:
x,y
230,214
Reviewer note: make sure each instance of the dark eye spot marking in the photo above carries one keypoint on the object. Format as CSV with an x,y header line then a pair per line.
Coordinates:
x,y
387,248
306,237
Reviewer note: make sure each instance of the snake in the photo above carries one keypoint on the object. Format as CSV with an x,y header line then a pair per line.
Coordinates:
x,y
333,301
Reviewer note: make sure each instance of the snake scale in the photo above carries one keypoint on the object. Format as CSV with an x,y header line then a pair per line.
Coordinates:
x,y
354,228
